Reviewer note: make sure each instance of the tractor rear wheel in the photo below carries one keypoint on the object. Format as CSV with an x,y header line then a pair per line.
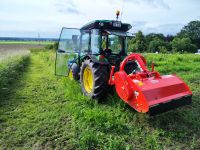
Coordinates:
x,y
94,79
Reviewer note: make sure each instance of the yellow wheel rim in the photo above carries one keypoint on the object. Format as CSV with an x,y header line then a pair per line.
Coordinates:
x,y
70,74
88,79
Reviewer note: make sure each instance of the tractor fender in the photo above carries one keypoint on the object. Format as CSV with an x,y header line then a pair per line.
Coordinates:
x,y
95,60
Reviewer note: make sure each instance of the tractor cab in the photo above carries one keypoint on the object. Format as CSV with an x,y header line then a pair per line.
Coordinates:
x,y
108,40
103,41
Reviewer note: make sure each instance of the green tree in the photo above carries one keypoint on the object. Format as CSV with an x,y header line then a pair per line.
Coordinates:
x,y
182,45
192,30
158,45
151,36
138,43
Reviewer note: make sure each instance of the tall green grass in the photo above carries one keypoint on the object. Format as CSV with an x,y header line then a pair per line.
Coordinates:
x,y
49,112
10,69
7,55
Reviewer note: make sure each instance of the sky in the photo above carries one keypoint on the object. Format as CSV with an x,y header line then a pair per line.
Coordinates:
x,y
28,18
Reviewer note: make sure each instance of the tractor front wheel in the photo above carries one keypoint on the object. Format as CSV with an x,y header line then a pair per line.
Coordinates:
x,y
94,79
74,72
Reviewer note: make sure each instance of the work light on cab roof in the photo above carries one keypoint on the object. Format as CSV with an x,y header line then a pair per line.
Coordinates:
x,y
117,14
96,56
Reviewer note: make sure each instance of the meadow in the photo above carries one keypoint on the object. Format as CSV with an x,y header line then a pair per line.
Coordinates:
x,y
39,110
27,42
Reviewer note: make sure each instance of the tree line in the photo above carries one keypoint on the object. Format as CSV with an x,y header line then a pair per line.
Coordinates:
x,y
186,41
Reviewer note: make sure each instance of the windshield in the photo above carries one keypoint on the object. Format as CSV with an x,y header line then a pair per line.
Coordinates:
x,y
112,42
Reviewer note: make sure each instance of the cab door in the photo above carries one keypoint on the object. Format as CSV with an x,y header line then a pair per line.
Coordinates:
x,y
68,50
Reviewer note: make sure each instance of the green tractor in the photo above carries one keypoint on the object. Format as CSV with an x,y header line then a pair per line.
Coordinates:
x,y
87,54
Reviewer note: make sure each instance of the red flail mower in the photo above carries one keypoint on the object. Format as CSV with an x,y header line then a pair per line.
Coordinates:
x,y
148,91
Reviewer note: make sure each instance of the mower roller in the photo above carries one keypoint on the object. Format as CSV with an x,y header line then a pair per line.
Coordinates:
x,y
96,56
148,91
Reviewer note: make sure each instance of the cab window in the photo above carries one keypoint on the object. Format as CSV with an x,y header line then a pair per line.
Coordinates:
x,y
85,42
112,42
69,40
95,38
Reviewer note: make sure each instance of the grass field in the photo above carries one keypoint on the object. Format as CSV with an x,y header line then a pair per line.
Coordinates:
x,y
6,55
27,42
41,111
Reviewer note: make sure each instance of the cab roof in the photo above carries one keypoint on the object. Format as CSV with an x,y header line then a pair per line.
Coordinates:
x,y
107,24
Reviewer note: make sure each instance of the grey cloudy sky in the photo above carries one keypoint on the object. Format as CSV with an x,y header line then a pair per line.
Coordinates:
x,y
27,18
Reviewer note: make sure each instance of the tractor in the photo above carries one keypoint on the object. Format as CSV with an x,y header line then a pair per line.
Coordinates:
x,y
96,56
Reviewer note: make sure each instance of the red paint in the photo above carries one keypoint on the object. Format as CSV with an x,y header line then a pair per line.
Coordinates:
x,y
101,56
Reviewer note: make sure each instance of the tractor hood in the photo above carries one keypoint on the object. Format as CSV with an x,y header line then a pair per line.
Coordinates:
x,y
120,33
